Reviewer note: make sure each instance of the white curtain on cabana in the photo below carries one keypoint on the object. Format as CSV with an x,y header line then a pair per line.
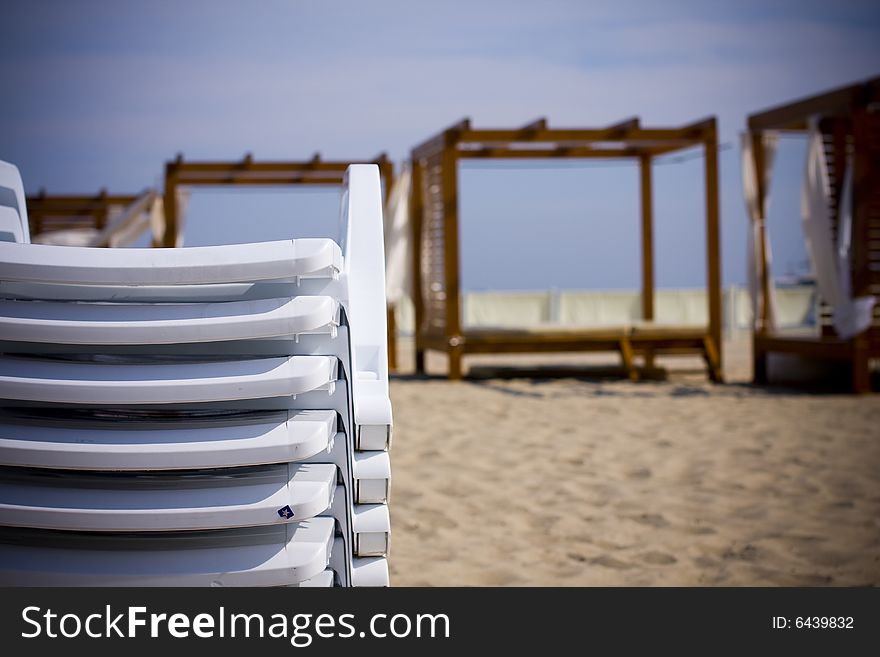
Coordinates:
x,y
831,263
127,225
398,247
757,216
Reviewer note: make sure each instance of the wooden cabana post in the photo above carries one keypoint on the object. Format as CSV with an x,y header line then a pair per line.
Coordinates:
x,y
645,164
436,256
762,322
415,213
171,233
850,124
712,342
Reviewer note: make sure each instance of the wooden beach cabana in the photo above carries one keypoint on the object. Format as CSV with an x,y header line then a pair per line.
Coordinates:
x,y
248,172
436,265
849,121
86,214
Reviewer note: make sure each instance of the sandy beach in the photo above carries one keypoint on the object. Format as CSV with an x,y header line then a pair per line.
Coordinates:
x,y
603,482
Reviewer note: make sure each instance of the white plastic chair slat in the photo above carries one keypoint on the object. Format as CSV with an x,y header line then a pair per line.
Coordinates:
x,y
133,445
67,382
369,571
10,225
265,495
372,477
322,580
130,324
218,292
268,556
286,259
371,525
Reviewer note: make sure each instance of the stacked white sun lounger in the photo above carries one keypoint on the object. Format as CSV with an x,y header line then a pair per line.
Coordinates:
x,y
213,416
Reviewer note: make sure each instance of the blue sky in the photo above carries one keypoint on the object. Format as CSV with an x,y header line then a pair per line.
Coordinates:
x,y
101,94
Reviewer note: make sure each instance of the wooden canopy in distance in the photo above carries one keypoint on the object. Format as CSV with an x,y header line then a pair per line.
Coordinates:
x,y
837,103
536,140
849,120
179,173
434,214
50,213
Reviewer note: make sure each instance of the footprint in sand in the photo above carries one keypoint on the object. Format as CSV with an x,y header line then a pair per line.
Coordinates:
x,y
639,473
807,539
608,561
544,522
498,578
651,519
748,451
783,578
432,518
752,512
807,579
658,558
747,552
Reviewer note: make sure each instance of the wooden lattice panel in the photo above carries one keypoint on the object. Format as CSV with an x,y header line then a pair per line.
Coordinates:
x,y
838,145
432,247
840,138
867,216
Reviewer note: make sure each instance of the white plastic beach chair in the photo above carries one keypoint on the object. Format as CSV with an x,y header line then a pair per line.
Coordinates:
x,y
196,416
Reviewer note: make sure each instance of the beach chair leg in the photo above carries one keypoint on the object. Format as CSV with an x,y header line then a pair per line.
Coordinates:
x,y
626,355
713,362
861,372
455,357
649,359
759,365
392,339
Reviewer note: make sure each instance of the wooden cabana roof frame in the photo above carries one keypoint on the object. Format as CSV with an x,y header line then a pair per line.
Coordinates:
x,y
849,118
52,212
837,103
315,171
434,215
624,139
